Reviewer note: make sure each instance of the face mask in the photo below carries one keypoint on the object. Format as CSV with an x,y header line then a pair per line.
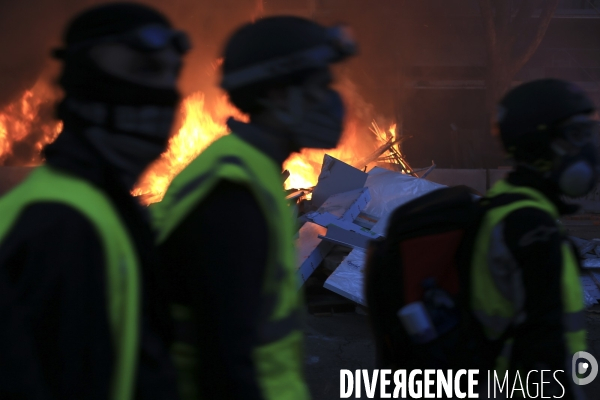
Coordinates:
x,y
577,175
152,121
318,126
94,97
128,124
130,155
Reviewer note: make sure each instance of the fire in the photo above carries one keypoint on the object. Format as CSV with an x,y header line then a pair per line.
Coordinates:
x,y
305,166
199,129
24,127
201,126
25,124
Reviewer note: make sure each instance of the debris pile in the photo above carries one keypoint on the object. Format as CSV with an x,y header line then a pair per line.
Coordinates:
x,y
589,253
588,250
350,207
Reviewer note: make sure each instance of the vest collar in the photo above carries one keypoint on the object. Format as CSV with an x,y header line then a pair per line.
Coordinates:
x,y
74,155
71,153
525,178
264,139
509,186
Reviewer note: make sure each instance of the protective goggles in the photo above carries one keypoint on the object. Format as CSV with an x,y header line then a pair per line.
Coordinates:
x,y
580,133
147,38
339,45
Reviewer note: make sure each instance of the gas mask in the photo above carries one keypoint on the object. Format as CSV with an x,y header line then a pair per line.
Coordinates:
x,y
317,126
576,171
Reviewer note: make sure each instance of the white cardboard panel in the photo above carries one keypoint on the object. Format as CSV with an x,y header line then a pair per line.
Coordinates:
x,y
348,279
336,177
310,250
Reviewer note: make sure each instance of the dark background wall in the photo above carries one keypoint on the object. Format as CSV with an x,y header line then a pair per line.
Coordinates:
x,y
30,28
422,62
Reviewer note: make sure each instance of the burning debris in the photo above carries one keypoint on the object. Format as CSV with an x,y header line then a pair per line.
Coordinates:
x,y
349,208
27,125
356,210
201,125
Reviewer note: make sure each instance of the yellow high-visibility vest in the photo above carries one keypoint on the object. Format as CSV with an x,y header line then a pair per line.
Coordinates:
x,y
48,185
279,356
490,306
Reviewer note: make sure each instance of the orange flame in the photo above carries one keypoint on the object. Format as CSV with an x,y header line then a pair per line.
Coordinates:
x,y
305,166
199,129
22,121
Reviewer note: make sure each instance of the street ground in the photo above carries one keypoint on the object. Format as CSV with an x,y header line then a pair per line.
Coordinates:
x,y
334,342
343,341
338,334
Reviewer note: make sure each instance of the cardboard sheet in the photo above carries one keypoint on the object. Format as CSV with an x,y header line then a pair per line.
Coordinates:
x,y
336,177
348,279
310,250
347,205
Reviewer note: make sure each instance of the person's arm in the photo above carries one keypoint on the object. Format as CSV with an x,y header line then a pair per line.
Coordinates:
x,y
55,341
220,253
534,240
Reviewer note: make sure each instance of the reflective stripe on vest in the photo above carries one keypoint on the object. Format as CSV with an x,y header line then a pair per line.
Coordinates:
x,y
494,310
47,185
278,356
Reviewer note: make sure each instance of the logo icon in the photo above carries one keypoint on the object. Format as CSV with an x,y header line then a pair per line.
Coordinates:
x,y
584,363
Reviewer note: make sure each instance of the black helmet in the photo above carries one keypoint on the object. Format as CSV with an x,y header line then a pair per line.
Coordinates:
x,y
140,26
528,114
545,125
278,51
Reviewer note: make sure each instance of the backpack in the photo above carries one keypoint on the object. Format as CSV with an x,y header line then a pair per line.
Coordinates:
x,y
425,256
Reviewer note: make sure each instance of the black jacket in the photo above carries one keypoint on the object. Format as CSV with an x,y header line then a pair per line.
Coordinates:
x,y
216,259
55,338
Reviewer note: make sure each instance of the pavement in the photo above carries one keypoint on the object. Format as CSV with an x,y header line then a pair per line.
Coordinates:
x,y
338,334
337,341
334,342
